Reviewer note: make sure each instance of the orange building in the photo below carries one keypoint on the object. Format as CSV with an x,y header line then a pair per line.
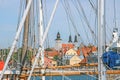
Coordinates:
x,y
50,54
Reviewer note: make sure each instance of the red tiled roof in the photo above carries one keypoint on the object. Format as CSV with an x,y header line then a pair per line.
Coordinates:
x,y
51,53
78,51
84,60
87,50
48,62
94,48
67,46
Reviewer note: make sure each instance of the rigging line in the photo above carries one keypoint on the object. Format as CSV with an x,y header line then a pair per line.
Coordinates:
x,y
81,20
110,31
68,25
90,1
45,22
19,17
115,13
33,24
86,20
93,6
67,9
19,13
96,29
66,15
37,23
67,19
71,16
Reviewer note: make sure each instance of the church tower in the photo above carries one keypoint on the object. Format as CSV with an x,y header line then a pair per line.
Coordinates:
x,y
58,44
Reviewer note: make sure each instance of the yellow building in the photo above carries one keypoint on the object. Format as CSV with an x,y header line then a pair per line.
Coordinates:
x,y
75,60
71,52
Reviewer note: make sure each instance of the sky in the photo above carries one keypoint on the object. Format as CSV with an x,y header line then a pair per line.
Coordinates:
x,y
9,11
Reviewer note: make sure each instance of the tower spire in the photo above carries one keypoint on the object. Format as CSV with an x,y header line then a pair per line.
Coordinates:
x,y
75,40
58,36
70,39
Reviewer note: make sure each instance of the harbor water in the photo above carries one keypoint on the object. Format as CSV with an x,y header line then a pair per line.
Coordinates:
x,y
80,77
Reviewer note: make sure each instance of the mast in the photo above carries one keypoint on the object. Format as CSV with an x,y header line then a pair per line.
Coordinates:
x,y
41,36
43,39
16,37
101,25
25,37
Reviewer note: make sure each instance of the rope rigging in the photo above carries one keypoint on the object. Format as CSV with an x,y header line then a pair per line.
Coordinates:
x,y
45,16
93,6
70,16
87,22
115,13
81,21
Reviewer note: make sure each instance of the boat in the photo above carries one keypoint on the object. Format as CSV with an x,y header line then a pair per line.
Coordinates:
x,y
112,55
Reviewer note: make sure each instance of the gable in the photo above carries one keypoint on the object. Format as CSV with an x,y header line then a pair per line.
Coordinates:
x,y
75,58
71,52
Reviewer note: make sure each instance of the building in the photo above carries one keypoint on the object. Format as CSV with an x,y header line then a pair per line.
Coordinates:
x,y
69,57
75,60
51,53
49,62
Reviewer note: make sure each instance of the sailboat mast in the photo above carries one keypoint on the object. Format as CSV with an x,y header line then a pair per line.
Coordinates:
x,y
25,36
43,39
16,37
41,36
101,26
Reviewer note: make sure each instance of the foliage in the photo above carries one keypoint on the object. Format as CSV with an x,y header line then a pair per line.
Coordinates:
x,y
48,49
56,57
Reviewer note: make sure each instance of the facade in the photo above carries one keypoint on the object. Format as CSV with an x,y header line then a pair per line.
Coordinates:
x,y
71,52
49,62
51,54
75,60
70,55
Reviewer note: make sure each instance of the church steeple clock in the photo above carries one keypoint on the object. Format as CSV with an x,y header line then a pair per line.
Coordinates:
x,y
58,36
